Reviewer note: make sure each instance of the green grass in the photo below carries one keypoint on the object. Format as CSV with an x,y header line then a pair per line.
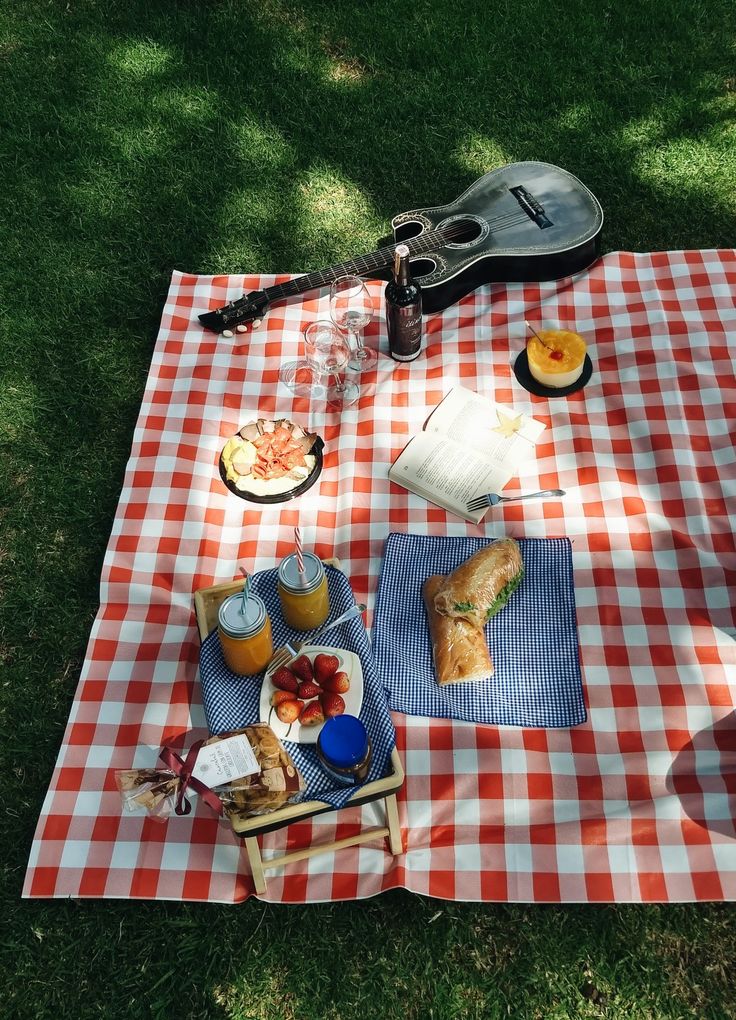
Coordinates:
x,y
140,137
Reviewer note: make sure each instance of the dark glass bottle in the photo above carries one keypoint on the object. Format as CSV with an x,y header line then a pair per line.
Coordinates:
x,y
403,310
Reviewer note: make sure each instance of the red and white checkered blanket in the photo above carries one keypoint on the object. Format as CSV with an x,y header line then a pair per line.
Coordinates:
x,y
636,804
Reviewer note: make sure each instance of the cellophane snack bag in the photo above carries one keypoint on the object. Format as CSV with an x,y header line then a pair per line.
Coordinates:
x,y
277,781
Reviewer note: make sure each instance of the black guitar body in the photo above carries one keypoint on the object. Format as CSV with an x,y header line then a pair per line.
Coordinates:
x,y
523,222
533,222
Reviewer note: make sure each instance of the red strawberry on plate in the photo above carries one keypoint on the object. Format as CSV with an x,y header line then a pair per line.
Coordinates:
x,y
289,711
302,668
325,666
309,689
285,680
338,684
312,715
332,704
279,696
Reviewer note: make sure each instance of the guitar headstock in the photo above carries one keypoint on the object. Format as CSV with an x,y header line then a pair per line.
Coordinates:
x,y
246,309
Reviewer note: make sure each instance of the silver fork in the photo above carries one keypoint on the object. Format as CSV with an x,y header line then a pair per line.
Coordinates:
x,y
493,498
290,650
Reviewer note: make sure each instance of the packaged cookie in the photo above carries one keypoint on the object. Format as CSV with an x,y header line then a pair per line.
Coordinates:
x,y
241,773
277,783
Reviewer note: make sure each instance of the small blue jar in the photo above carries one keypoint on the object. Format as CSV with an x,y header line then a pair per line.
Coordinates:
x,y
344,750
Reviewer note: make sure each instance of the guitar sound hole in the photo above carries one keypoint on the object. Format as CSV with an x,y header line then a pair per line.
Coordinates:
x,y
422,267
471,231
405,231
463,231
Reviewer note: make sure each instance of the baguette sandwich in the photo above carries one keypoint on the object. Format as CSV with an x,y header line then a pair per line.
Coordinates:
x,y
459,648
482,585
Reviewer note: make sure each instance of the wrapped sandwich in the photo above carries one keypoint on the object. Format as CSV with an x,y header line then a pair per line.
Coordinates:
x,y
458,607
483,584
459,649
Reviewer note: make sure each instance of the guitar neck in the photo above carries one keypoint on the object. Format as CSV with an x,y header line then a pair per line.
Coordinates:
x,y
362,266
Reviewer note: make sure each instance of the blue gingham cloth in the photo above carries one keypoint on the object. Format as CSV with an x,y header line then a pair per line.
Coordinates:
x,y
231,700
533,640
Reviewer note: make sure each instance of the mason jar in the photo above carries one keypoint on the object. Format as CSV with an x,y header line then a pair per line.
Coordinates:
x,y
244,628
305,601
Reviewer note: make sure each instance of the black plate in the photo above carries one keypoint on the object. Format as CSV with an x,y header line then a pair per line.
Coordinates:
x,y
281,497
527,380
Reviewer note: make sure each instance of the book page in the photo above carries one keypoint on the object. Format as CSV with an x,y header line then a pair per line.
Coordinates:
x,y
446,473
480,423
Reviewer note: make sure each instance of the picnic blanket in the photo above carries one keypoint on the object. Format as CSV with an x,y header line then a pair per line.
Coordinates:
x,y
635,804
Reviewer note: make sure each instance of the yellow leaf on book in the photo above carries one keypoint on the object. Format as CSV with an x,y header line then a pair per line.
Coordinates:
x,y
508,426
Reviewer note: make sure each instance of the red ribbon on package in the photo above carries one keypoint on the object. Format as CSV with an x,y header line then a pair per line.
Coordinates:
x,y
183,769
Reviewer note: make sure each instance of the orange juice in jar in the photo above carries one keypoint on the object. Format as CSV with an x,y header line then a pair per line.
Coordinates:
x,y
305,601
245,634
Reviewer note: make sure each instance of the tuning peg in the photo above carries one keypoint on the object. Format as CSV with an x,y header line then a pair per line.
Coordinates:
x,y
241,328
256,323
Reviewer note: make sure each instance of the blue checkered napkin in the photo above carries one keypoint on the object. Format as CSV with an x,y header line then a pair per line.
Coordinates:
x,y
533,641
231,701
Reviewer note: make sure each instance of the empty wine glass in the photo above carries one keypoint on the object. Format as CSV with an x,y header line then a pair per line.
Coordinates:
x,y
352,308
326,356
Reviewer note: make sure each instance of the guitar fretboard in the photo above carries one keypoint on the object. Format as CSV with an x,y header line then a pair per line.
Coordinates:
x,y
365,264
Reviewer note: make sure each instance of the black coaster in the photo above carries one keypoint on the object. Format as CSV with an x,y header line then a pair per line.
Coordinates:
x,y
527,380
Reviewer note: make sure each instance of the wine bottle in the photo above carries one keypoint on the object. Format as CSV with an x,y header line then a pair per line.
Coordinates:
x,y
403,310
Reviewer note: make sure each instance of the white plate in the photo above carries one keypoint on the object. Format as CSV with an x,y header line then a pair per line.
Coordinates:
x,y
353,698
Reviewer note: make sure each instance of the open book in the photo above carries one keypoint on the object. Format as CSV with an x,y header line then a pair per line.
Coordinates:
x,y
469,446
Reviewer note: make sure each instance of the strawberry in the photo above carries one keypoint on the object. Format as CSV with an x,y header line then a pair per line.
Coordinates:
x,y
285,680
302,668
309,689
289,711
278,696
312,715
332,704
337,684
325,666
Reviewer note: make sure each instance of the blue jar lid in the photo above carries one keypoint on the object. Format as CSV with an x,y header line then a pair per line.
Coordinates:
x,y
343,740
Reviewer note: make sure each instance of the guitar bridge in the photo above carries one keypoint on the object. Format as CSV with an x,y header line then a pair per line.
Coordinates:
x,y
533,208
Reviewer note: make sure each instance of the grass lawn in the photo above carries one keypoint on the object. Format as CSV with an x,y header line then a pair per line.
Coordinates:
x,y
140,137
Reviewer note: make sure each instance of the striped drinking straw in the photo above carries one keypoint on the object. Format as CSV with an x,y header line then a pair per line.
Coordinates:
x,y
299,555
246,591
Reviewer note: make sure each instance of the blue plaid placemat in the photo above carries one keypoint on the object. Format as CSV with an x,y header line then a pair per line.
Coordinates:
x,y
231,701
533,641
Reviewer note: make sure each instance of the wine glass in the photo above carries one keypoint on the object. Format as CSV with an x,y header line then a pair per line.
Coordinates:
x,y
352,308
326,356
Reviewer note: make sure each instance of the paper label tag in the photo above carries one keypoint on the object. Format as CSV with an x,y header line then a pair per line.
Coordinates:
x,y
225,761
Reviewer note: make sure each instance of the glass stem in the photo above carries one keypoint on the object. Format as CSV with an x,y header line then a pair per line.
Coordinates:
x,y
357,346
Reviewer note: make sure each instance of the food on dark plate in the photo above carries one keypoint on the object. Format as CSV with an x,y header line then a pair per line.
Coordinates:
x,y
269,458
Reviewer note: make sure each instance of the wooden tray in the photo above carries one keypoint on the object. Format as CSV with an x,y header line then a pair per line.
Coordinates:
x,y
207,602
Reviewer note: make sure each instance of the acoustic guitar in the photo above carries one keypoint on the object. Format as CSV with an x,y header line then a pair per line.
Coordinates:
x,y
524,221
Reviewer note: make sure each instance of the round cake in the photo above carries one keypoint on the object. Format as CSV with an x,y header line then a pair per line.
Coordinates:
x,y
558,360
